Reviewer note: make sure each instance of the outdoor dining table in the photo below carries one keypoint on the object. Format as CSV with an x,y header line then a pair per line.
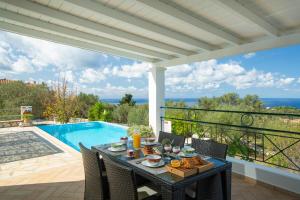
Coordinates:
x,y
172,186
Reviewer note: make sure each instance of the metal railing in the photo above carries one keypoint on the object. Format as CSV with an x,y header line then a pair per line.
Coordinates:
x,y
267,137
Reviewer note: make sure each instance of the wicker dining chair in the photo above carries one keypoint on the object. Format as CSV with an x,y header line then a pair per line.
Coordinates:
x,y
210,148
210,187
178,140
122,183
96,184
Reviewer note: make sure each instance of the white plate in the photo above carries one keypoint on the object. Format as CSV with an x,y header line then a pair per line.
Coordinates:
x,y
204,157
181,154
116,149
147,164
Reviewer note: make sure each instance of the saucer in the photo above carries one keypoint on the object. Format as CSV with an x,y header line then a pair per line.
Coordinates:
x,y
147,164
116,149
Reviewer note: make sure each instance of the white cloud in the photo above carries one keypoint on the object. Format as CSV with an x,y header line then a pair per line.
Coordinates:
x,y
22,64
113,91
180,69
90,75
40,54
5,59
106,70
69,76
285,81
136,70
212,75
249,55
203,75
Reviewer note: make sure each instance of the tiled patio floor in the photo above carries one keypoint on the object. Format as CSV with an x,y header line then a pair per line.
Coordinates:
x,y
24,145
65,181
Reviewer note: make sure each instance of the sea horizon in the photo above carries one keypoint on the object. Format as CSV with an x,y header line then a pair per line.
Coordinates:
x,y
268,102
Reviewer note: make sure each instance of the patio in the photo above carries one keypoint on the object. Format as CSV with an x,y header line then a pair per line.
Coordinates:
x,y
164,34
65,181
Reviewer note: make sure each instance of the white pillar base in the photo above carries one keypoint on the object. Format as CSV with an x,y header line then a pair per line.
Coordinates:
x,y
156,97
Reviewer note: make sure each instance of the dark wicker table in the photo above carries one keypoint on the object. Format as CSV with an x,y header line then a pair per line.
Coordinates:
x,y
172,186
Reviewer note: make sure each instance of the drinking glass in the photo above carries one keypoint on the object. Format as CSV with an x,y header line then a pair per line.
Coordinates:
x,y
176,149
136,136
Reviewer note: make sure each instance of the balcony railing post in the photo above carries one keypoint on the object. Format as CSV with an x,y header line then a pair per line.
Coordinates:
x,y
255,146
263,146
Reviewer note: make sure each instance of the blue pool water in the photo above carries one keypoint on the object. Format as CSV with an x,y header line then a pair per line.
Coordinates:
x,y
89,133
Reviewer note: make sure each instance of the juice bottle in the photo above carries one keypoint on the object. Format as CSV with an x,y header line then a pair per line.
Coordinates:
x,y
136,139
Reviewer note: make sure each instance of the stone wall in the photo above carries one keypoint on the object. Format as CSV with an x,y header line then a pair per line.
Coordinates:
x,y
10,123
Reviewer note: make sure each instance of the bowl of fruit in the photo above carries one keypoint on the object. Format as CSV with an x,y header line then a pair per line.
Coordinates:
x,y
188,152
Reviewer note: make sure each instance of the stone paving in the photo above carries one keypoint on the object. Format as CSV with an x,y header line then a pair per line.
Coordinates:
x,y
60,177
24,145
65,156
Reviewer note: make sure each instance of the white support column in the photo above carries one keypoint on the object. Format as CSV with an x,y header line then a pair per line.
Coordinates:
x,y
156,96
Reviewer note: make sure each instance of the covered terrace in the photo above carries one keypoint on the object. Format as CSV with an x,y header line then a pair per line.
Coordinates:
x,y
164,33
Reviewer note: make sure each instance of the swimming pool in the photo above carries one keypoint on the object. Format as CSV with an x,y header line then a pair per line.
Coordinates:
x,y
89,133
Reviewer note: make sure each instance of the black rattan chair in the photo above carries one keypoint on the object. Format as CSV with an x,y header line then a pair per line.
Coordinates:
x,y
177,139
122,183
210,148
209,188
96,184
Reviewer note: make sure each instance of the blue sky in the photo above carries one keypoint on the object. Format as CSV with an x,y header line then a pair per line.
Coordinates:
x,y
269,73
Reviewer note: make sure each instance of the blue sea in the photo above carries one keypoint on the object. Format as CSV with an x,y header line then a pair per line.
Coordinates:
x,y
268,102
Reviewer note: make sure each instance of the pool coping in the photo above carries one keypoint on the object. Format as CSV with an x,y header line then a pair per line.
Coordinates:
x,y
114,124
110,123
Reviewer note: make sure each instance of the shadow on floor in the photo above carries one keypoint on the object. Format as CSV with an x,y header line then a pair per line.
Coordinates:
x,y
247,189
46,191
241,190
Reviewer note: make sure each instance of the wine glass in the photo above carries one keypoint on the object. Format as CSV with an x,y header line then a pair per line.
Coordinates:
x,y
176,149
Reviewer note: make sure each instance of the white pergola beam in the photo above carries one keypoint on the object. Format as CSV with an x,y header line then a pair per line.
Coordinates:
x,y
268,43
67,32
120,16
106,31
68,41
183,16
249,15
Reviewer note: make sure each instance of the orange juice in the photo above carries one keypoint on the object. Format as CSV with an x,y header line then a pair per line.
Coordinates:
x,y
136,140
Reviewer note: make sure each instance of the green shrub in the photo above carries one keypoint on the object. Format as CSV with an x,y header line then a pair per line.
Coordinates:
x,y
120,113
17,93
100,111
138,115
85,102
145,131
27,116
